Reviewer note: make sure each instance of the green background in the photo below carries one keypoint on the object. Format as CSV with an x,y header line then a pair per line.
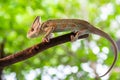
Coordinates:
x,y
16,17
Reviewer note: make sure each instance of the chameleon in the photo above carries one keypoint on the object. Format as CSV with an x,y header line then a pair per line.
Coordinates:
x,y
81,27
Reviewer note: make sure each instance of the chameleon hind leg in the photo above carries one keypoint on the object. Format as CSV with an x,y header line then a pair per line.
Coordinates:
x,y
77,34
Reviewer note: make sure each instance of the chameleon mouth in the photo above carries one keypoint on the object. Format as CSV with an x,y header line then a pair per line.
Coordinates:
x,y
32,35
28,36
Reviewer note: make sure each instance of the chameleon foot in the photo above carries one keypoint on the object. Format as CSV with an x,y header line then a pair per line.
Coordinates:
x,y
45,40
73,38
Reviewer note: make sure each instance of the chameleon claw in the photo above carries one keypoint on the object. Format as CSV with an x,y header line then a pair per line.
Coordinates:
x,y
73,38
45,40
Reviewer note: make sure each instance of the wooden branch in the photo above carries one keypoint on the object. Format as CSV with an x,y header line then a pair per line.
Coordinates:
x,y
29,52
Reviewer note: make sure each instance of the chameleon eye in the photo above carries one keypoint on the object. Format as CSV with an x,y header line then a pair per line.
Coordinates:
x,y
32,29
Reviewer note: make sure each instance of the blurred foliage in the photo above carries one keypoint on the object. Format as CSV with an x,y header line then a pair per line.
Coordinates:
x,y
16,17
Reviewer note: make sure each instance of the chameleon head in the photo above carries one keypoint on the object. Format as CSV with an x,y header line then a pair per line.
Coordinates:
x,y
35,28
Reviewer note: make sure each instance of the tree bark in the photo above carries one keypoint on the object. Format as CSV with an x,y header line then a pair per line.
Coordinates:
x,y
29,52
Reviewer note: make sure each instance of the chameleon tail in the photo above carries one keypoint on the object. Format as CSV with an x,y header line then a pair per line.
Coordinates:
x,y
105,35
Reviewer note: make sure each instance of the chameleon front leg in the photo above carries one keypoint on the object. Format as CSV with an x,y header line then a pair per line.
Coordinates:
x,y
78,33
48,34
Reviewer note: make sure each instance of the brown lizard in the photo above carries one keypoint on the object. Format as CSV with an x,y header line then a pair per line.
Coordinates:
x,y
81,27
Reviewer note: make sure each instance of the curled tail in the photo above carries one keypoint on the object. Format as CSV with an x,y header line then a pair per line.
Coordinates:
x,y
105,35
